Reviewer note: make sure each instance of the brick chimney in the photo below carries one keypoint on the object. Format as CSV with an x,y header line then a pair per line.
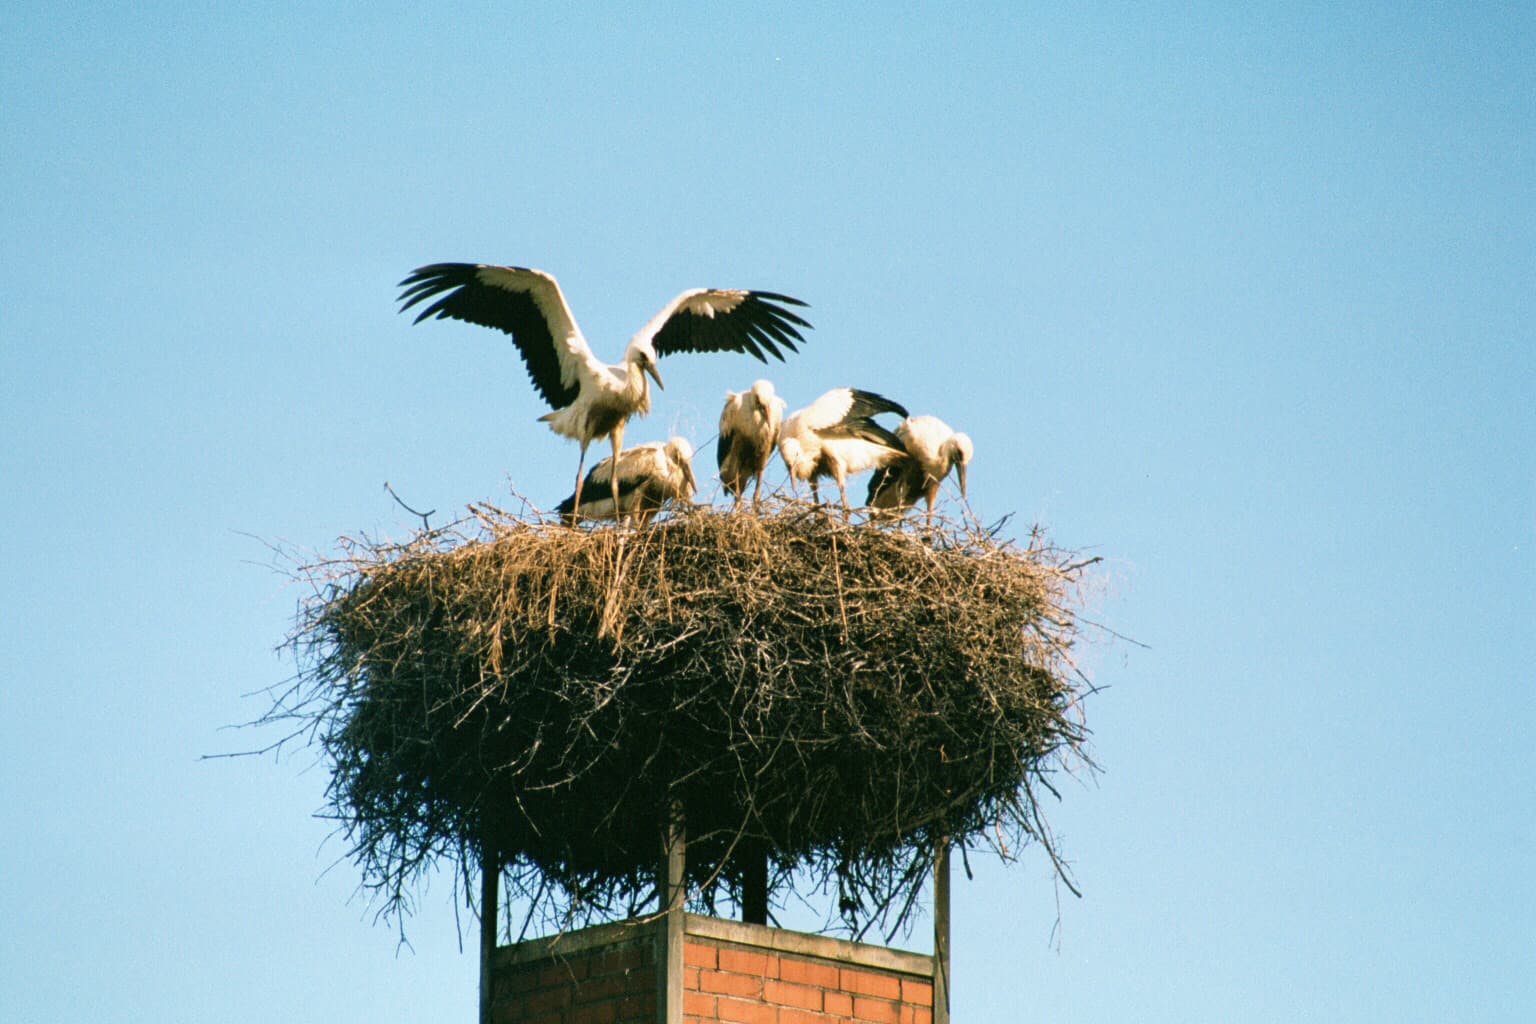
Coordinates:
x,y
681,968
731,972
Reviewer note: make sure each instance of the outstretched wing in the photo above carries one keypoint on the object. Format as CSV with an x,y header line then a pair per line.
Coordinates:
x,y
525,303
835,413
865,429
721,320
862,404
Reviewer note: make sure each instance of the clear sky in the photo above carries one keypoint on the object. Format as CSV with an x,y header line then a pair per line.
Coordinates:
x,y
1239,300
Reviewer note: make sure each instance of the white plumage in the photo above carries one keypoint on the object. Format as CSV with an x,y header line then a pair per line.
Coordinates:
x,y
591,399
836,435
933,450
648,476
749,428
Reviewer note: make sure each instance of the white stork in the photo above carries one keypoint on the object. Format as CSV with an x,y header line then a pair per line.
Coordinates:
x,y
590,398
933,450
749,428
836,435
649,475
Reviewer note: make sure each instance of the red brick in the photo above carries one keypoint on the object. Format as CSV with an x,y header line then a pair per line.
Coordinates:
x,y
788,1016
867,984
549,999
518,1017
918,993
512,982
563,973
597,1013
618,960
595,989
743,1012
747,986
698,955
636,1007
743,962
808,972
781,993
837,1003
916,1015
691,978
699,1005
880,1011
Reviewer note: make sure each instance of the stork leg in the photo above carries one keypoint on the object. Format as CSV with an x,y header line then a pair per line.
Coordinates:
x,y
617,437
842,492
757,484
581,464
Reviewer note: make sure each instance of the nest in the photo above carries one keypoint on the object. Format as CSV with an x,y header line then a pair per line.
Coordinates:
x,y
841,698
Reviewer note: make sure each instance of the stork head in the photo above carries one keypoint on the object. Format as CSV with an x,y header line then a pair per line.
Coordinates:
x,y
680,454
960,452
793,454
643,356
763,397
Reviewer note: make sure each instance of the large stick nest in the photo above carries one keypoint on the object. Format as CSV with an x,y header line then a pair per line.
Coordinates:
x,y
841,696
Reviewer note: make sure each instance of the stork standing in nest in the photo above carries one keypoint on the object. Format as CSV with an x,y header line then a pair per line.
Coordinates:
x,y
836,435
934,449
645,477
749,429
591,399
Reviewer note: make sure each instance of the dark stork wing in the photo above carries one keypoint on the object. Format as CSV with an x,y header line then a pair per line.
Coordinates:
x,y
895,484
863,404
720,320
865,429
596,488
525,303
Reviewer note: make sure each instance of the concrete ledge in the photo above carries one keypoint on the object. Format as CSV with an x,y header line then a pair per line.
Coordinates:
x,y
824,947
780,940
552,947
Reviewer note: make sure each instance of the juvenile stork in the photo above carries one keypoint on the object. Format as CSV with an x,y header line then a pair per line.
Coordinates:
x,y
933,450
836,435
749,428
589,398
648,476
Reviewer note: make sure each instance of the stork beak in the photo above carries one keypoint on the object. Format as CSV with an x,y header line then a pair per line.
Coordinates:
x,y
650,368
688,479
960,475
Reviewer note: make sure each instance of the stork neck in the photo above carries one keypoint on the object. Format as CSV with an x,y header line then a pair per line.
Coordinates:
x,y
637,385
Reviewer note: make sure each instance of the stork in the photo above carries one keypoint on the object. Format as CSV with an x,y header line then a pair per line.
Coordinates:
x,y
648,476
933,450
589,398
836,435
749,428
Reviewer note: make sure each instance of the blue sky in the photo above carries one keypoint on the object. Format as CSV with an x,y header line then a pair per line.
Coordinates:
x,y
1239,300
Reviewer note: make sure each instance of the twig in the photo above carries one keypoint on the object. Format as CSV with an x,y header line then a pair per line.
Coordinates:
x,y
422,515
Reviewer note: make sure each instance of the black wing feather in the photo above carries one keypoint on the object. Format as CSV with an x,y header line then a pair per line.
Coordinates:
x,y
463,296
899,480
722,449
865,429
759,324
867,403
595,491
